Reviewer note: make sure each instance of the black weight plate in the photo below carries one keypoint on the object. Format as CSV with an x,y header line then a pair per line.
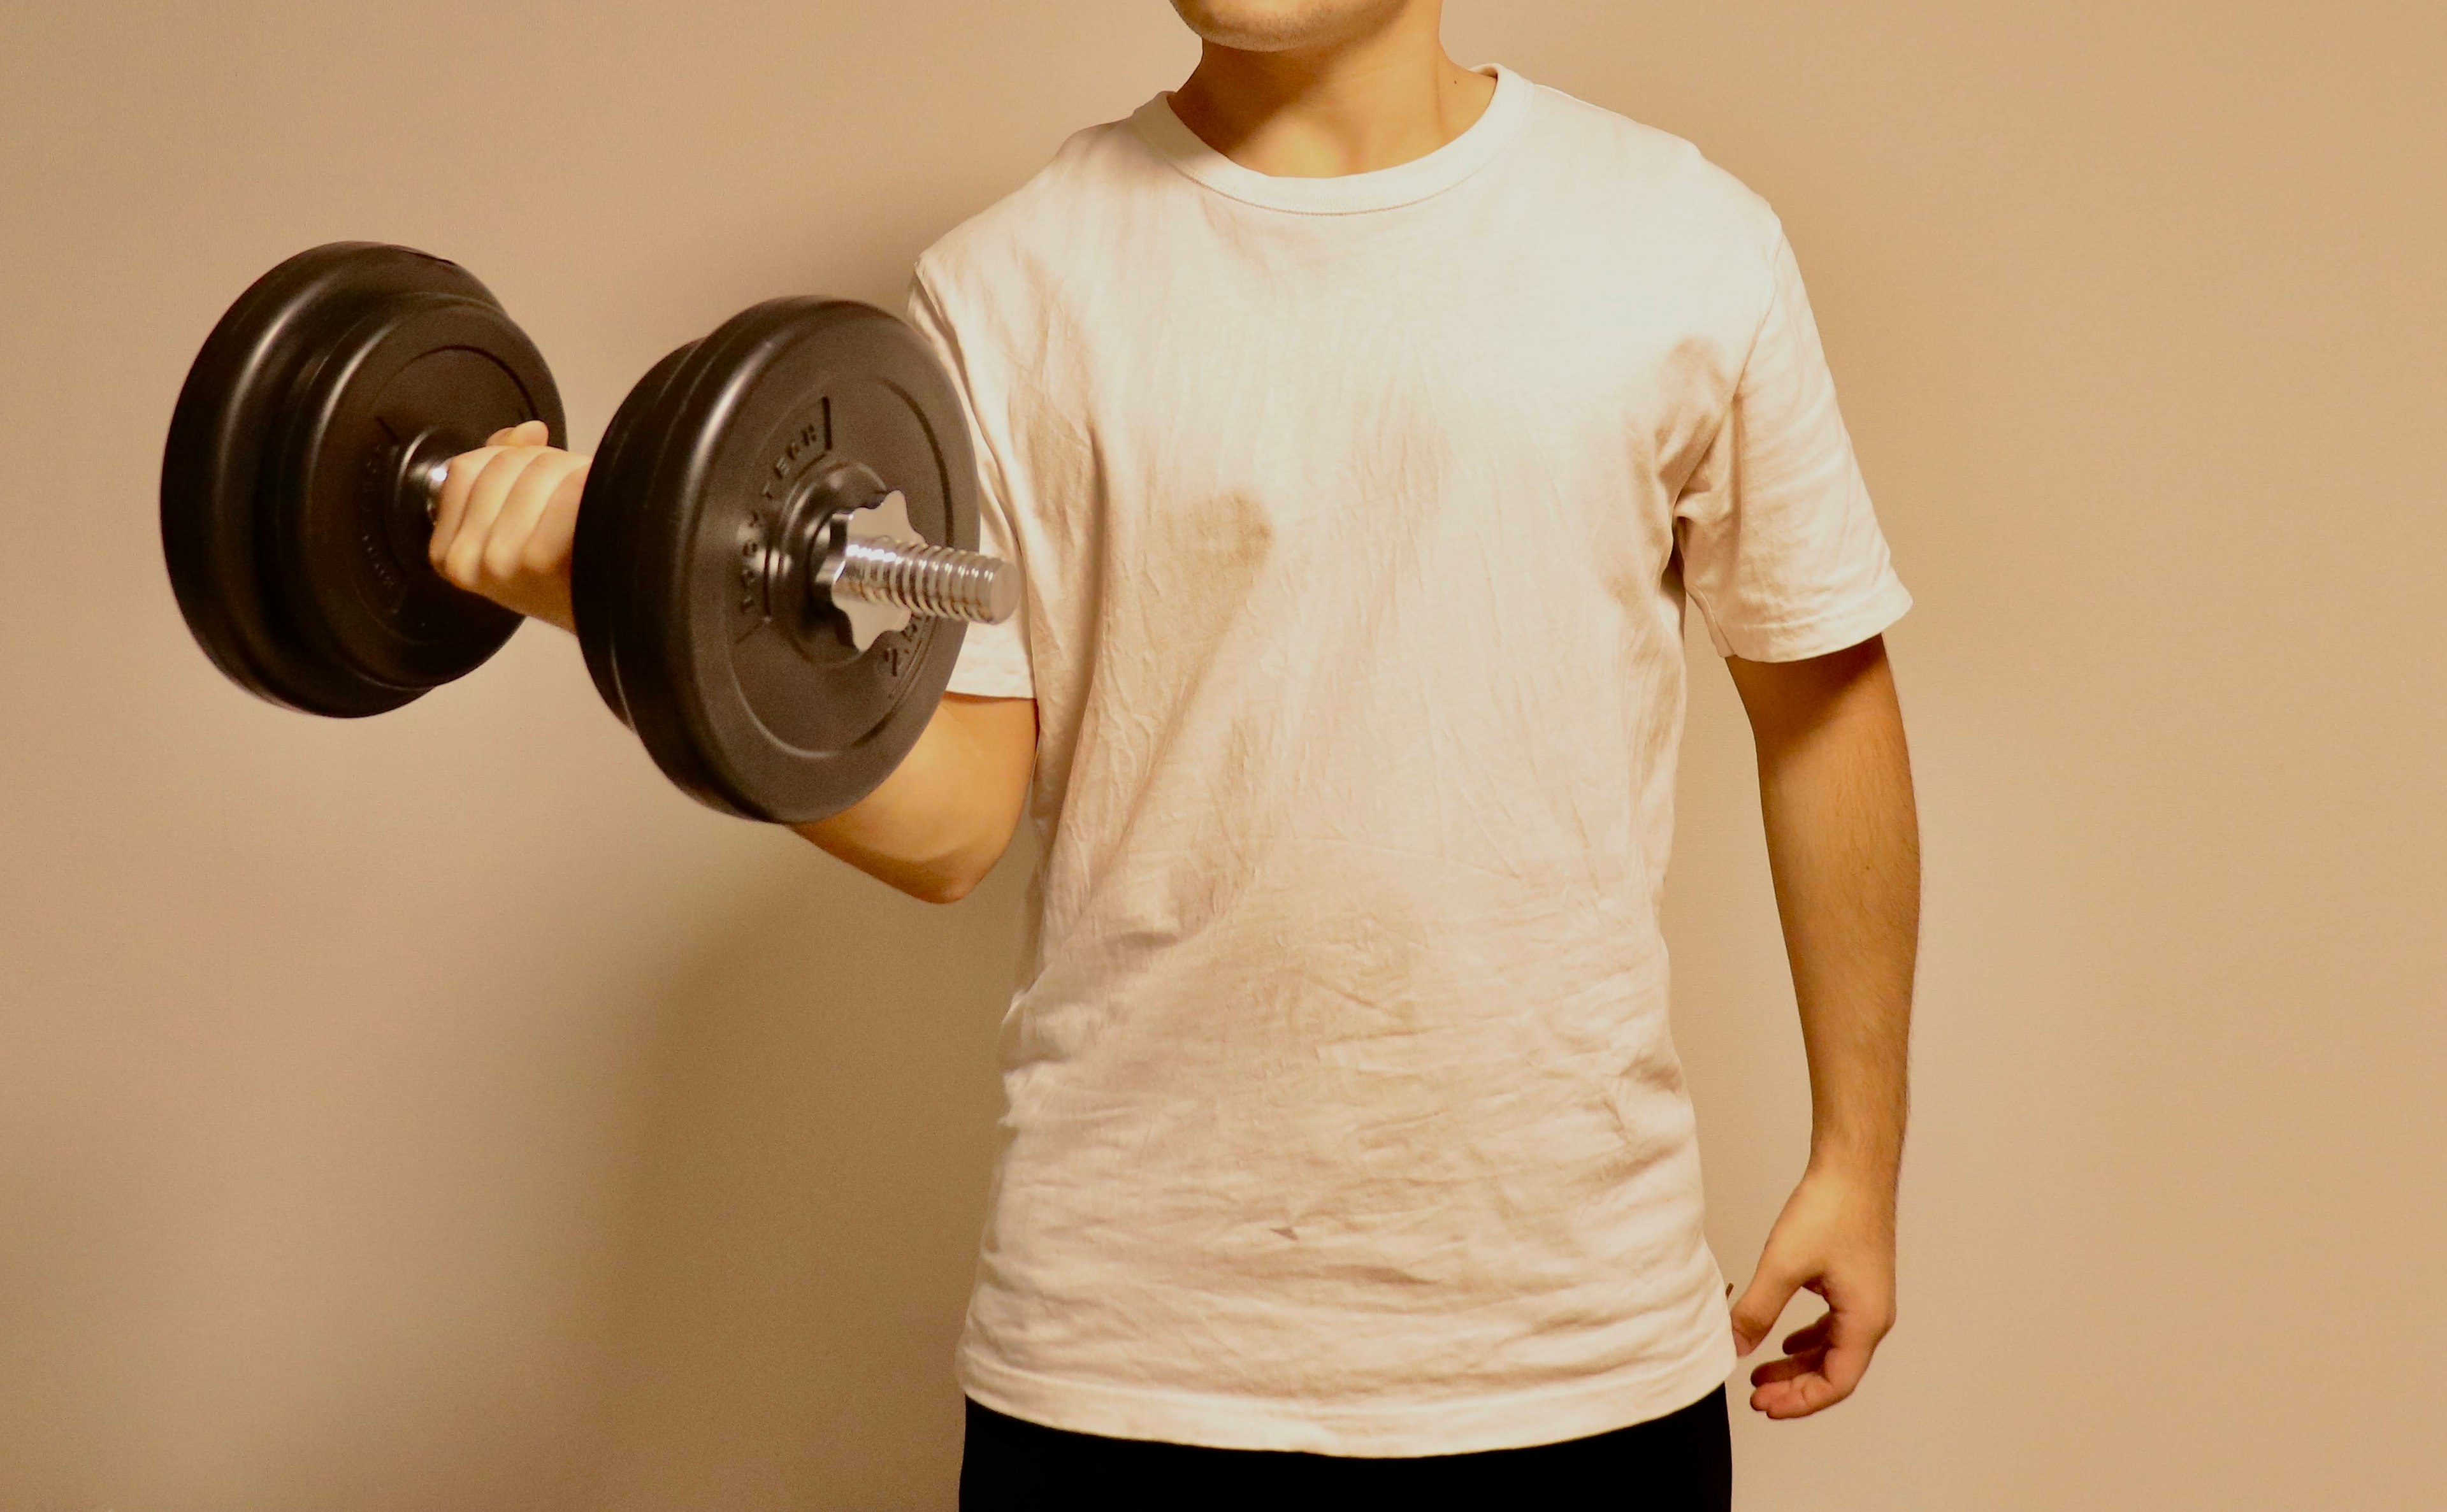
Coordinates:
x,y
629,446
426,375
735,708
237,490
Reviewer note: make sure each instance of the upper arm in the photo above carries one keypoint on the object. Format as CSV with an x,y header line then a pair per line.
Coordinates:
x,y
1781,550
1789,702
994,664
936,827
1001,736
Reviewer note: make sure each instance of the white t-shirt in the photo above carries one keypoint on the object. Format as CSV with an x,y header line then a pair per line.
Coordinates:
x,y
1357,517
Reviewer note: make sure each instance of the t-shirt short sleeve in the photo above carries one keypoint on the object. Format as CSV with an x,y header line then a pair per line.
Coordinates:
x,y
993,658
1781,547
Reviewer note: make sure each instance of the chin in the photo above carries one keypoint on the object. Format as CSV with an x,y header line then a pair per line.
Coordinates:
x,y
1279,26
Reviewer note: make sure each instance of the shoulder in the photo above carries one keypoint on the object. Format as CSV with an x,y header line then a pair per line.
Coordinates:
x,y
1030,238
1631,165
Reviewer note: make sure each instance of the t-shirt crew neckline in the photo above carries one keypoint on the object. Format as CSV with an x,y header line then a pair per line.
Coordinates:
x,y
1349,194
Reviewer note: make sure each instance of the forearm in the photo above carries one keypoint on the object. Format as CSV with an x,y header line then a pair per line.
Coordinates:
x,y
939,823
1844,848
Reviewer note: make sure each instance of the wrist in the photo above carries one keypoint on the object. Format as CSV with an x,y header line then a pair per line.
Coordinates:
x,y
1856,1165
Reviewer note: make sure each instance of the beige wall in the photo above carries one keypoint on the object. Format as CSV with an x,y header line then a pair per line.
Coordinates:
x,y
441,1112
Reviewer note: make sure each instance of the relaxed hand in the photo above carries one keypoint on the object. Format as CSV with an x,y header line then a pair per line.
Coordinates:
x,y
1835,1237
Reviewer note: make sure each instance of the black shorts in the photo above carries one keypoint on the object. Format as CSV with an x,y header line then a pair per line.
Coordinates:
x,y
1679,1462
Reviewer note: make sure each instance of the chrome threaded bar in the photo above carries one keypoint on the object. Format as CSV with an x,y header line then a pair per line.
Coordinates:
x,y
942,581
880,574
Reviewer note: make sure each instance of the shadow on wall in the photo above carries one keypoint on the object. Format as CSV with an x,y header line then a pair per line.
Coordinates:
x,y
816,1132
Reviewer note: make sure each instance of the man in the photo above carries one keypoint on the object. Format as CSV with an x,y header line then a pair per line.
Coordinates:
x,y
1360,424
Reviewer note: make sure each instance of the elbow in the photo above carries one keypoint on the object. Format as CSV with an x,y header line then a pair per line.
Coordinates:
x,y
963,867
939,889
948,882
930,873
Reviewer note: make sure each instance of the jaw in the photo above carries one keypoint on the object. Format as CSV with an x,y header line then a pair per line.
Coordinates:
x,y
1291,26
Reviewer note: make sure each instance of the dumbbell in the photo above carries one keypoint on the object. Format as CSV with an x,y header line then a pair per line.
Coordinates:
x,y
776,556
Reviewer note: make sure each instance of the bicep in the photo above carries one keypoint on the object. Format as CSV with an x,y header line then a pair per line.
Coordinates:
x,y
1789,700
1781,548
998,737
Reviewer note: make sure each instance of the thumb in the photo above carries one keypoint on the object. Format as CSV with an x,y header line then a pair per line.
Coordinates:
x,y
525,433
1762,1303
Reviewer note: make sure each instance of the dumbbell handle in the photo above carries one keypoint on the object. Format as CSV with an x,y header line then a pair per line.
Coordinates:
x,y
878,573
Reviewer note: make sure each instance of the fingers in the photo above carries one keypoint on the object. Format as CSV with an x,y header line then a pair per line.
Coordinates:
x,y
511,548
1810,1339
505,520
1801,1382
1824,1362
555,531
1797,1388
1772,1286
1836,1239
494,471
1852,1331
451,506
1808,1382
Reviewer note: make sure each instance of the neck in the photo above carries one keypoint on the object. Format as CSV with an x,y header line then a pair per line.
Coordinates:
x,y
1367,101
